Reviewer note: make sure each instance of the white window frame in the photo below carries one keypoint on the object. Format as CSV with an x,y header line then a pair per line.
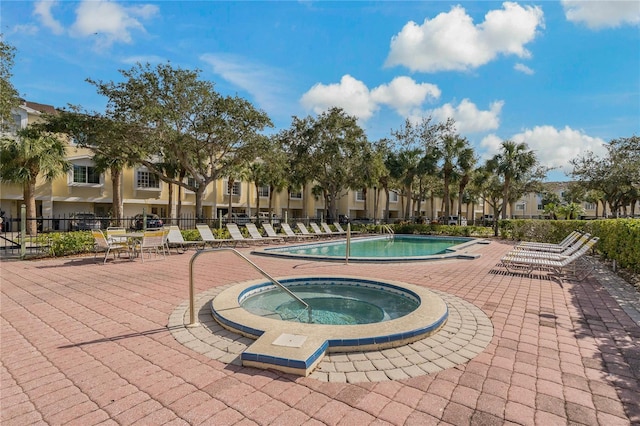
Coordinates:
x,y
295,195
393,197
149,174
237,188
521,206
84,163
589,206
359,195
264,191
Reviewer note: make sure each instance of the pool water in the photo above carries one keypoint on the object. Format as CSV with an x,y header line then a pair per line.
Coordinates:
x,y
381,247
339,302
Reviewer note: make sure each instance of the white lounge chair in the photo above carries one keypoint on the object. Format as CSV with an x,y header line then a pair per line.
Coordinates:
x,y
320,233
177,241
328,230
209,239
568,241
236,234
256,235
289,232
268,228
339,228
101,244
304,231
514,263
526,252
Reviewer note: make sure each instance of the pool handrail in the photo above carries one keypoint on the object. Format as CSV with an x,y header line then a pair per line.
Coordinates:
x,y
192,313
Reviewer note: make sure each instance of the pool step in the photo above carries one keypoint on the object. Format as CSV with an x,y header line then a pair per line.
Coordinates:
x,y
291,353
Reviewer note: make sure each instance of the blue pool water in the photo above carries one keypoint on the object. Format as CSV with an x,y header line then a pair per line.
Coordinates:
x,y
335,301
380,248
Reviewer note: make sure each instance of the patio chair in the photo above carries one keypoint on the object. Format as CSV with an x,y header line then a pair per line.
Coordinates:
x,y
153,241
268,228
289,233
304,231
114,234
514,263
320,233
518,251
340,229
569,240
177,241
102,244
209,239
256,235
328,230
236,234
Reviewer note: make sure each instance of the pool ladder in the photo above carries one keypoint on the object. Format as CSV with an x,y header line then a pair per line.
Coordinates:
x,y
387,229
192,312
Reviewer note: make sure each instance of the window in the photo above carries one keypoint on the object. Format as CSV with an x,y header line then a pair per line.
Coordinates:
x,y
192,182
236,190
589,206
295,195
263,191
393,197
146,179
520,206
540,207
85,174
359,195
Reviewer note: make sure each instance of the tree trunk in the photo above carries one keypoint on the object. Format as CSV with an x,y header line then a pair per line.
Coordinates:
x,y
505,197
170,202
386,207
230,191
30,202
116,205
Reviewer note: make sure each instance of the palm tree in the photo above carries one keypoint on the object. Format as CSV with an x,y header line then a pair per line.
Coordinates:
x,y
29,154
514,163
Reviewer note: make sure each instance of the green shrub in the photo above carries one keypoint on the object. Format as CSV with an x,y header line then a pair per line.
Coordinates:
x,y
67,243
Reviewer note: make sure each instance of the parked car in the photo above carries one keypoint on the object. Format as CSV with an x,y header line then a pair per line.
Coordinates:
x,y
264,216
153,221
84,222
238,218
452,220
487,220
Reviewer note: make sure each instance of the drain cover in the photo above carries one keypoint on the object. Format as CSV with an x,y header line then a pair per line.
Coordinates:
x,y
290,340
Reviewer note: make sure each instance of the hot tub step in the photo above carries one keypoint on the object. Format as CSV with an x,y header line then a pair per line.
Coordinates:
x,y
288,352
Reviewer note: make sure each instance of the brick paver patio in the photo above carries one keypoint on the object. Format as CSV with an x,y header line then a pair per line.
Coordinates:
x,y
84,343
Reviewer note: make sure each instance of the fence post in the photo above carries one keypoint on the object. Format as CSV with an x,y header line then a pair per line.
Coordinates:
x,y
23,231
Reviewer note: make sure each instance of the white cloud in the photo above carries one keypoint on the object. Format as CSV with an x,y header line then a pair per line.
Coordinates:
x,y
42,10
350,94
402,94
523,68
451,41
553,147
468,118
109,21
267,85
602,14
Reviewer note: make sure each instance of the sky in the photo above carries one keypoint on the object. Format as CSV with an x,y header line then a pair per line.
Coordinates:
x,y
561,76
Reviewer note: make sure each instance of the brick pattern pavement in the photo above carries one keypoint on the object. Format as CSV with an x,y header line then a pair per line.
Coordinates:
x,y
84,344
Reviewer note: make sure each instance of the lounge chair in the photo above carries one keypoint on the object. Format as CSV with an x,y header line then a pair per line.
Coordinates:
x,y
256,235
153,241
514,263
115,234
289,233
177,241
236,234
328,230
101,244
268,228
339,228
320,233
209,239
304,231
518,251
568,241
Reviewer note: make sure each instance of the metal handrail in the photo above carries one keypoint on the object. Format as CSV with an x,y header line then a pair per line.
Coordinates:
x,y
192,313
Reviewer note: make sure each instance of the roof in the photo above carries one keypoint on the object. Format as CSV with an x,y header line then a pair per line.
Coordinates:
x,y
43,108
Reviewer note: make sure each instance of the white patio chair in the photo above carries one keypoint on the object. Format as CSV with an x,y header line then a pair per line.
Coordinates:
x,y
210,239
102,244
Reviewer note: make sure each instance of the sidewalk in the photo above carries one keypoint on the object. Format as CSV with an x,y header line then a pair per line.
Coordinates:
x,y
84,343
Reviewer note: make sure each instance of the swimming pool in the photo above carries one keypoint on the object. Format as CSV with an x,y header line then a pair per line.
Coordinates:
x,y
389,248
